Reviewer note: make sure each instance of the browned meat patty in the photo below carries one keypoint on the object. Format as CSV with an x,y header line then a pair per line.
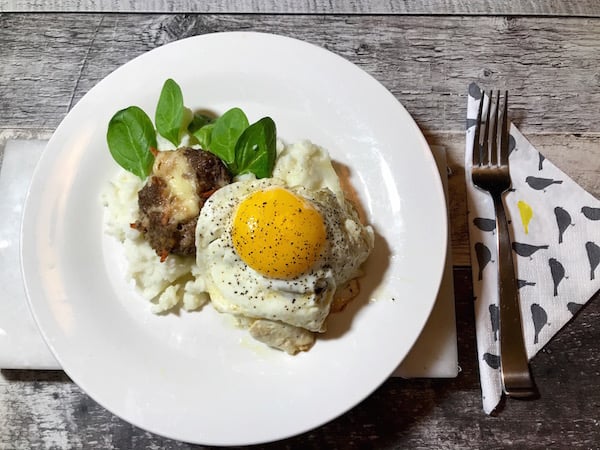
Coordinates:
x,y
171,199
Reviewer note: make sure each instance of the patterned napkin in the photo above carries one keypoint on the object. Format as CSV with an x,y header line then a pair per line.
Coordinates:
x,y
555,230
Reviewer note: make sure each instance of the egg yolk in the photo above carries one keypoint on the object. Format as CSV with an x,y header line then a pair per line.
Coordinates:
x,y
277,233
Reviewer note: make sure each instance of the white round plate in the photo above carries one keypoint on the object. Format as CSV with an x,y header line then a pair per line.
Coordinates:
x,y
194,376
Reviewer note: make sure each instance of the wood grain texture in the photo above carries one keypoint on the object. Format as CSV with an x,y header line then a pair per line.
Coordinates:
x,y
549,65
49,61
581,8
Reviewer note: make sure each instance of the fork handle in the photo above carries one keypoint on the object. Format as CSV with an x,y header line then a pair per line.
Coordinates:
x,y
516,378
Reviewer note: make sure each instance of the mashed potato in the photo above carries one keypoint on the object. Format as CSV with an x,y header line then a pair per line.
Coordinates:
x,y
167,285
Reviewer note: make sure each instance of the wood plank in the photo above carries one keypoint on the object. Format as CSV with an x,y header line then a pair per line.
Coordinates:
x,y
589,8
550,65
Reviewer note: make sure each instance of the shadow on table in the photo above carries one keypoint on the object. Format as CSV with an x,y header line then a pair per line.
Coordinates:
x,y
47,376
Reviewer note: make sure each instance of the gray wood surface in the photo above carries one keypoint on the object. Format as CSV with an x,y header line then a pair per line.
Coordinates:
x,y
550,65
580,8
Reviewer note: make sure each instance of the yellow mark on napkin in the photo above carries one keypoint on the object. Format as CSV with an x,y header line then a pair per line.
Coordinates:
x,y
526,214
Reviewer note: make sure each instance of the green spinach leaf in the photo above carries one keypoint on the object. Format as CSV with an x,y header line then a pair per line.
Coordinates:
x,y
244,148
225,134
204,135
169,112
130,137
255,151
198,121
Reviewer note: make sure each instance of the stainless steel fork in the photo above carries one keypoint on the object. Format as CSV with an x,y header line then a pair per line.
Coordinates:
x,y
491,173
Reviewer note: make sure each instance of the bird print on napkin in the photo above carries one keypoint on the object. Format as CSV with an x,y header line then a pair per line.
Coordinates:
x,y
555,235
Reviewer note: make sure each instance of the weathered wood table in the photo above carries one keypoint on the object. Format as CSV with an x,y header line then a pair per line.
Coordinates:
x,y
426,53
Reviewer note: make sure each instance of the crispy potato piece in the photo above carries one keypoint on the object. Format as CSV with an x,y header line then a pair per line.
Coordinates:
x,y
282,336
343,295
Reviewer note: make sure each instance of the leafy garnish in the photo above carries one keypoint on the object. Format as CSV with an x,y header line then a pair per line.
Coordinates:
x,y
227,130
242,147
255,151
169,112
198,121
204,134
130,138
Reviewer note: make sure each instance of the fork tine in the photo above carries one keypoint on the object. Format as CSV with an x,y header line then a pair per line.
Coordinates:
x,y
485,152
504,135
476,137
495,125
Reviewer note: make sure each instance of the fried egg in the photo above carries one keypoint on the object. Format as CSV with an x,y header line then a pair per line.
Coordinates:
x,y
268,250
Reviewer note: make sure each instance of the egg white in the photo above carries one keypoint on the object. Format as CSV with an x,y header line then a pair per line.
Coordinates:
x,y
303,301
